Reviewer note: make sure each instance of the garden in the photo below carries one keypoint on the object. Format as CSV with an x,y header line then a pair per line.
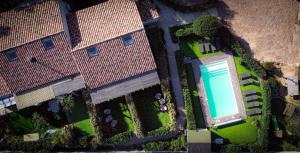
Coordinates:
x,y
249,131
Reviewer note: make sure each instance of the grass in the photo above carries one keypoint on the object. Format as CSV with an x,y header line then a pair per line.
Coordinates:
x,y
80,117
120,112
149,109
239,133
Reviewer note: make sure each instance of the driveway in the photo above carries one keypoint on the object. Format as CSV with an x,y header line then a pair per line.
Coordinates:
x,y
168,18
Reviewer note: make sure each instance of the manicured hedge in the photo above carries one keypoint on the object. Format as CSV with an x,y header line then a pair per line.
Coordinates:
x,y
176,144
137,124
190,117
160,131
95,118
121,137
206,26
184,32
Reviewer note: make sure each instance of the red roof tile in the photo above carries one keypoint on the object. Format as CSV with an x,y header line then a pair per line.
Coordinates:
x,y
147,10
103,22
115,61
51,65
24,25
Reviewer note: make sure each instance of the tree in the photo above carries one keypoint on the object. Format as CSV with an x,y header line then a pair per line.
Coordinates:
x,y
39,123
206,26
67,102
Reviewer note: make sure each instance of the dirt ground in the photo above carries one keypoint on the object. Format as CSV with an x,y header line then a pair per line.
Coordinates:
x,y
267,27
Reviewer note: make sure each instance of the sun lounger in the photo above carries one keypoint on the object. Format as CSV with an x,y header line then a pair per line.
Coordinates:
x,y
249,92
201,47
245,76
248,81
253,112
207,49
251,98
253,104
212,47
217,44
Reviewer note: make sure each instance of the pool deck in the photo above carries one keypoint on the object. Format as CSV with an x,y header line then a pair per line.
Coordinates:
x,y
210,122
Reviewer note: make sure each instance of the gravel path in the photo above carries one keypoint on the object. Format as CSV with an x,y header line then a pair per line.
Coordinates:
x,y
168,18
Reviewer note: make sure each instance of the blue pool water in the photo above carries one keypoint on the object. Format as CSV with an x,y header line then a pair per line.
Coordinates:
x,y
219,90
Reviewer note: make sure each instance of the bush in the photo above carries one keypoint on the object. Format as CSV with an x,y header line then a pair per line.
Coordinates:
x,y
137,124
39,123
184,32
269,66
255,148
157,146
67,103
253,65
83,141
178,144
160,131
70,134
95,119
231,148
119,138
206,26
190,117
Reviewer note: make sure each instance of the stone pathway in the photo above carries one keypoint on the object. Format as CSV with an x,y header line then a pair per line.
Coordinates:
x,y
169,18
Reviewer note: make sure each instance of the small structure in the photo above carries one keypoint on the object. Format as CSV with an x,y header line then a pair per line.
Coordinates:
x,y
199,141
31,137
292,85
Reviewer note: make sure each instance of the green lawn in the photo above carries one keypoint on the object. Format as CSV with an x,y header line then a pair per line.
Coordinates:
x,y
238,133
80,117
149,109
120,112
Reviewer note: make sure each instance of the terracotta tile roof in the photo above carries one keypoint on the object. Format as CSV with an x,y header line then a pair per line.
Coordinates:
x,y
4,90
103,22
115,61
51,65
147,10
24,25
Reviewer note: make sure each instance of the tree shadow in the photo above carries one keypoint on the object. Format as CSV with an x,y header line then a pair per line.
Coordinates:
x,y
225,12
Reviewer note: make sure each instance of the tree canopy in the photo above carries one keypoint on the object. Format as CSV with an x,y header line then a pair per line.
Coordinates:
x,y
206,26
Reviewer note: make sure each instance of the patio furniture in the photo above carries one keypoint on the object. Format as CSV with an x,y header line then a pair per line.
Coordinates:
x,y
248,81
206,46
217,43
162,101
212,47
201,47
158,96
108,119
253,112
245,76
107,111
163,108
53,106
253,104
114,123
249,92
251,98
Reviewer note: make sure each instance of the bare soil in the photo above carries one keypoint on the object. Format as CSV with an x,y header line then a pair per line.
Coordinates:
x,y
266,27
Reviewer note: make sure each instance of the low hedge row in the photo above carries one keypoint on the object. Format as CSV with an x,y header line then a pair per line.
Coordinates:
x,y
119,138
160,131
173,31
137,124
190,117
176,144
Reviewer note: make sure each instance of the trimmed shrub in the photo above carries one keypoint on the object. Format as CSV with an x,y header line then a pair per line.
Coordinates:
x,y
178,144
137,124
119,138
190,117
157,146
160,131
206,26
83,141
184,32
231,148
70,134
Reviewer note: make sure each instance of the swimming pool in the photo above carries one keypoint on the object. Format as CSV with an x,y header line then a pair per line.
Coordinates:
x,y
219,89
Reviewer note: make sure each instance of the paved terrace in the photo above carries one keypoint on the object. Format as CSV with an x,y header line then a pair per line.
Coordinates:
x,y
210,122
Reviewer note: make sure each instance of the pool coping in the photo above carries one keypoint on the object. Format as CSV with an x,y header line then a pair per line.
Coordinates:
x,y
210,122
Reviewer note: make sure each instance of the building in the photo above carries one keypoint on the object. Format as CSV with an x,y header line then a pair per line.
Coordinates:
x,y
47,52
